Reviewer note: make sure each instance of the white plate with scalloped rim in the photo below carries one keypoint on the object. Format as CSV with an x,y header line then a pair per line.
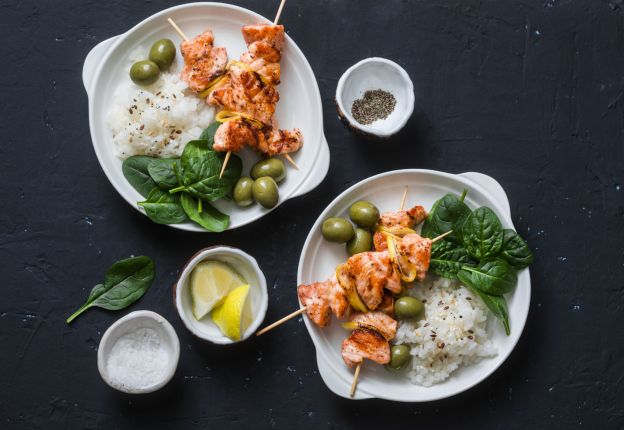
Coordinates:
x,y
319,258
300,103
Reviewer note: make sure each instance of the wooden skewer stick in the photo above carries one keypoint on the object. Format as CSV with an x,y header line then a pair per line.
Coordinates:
x,y
279,12
355,380
442,236
291,161
225,161
176,28
280,321
403,198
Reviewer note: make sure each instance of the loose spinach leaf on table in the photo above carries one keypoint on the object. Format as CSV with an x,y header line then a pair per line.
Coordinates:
x,y
163,172
135,170
498,306
125,282
444,216
448,258
493,276
208,134
482,233
200,172
515,250
209,218
163,208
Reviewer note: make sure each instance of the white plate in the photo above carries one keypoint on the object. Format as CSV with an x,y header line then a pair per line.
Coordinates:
x,y
319,258
105,69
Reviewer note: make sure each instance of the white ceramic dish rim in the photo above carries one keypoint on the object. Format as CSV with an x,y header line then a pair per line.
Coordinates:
x,y
98,57
188,268
347,112
339,385
118,325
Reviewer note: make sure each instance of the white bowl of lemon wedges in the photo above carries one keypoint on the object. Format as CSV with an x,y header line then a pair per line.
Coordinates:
x,y
221,295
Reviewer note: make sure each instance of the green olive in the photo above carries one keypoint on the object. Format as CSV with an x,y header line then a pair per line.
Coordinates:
x,y
243,195
265,192
409,308
337,230
163,52
399,357
364,214
144,72
360,242
272,167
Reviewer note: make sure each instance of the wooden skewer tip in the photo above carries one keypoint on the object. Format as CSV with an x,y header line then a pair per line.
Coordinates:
x,y
281,321
227,158
291,161
403,198
279,12
176,28
355,380
442,236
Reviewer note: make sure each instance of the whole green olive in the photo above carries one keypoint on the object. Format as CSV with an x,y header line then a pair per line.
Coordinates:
x,y
243,194
364,214
360,242
409,308
337,230
144,72
265,192
273,167
399,357
162,52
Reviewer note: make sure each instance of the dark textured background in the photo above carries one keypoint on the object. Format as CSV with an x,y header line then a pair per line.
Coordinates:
x,y
529,92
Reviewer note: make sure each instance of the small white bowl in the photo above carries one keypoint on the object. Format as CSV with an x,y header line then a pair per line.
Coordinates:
x,y
131,322
244,264
371,74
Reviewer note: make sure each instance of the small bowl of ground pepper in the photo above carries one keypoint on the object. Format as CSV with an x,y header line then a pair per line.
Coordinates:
x,y
375,97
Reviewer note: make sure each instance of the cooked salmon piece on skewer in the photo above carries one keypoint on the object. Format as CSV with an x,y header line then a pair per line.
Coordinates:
x,y
417,249
377,321
372,272
363,344
314,298
387,305
396,220
203,62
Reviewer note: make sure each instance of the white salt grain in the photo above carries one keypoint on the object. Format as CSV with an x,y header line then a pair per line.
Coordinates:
x,y
138,359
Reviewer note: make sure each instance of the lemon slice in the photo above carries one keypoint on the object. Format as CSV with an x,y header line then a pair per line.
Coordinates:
x,y
234,315
210,282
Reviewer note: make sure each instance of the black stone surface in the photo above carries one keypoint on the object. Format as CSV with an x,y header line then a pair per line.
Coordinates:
x,y
529,92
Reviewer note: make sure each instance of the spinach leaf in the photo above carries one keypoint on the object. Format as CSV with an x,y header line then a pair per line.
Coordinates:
x,y
443,217
201,169
498,306
163,172
126,281
482,233
447,259
210,218
135,171
208,134
163,208
515,250
492,276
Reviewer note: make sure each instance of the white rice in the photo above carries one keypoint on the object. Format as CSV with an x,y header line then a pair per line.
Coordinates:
x,y
452,334
157,120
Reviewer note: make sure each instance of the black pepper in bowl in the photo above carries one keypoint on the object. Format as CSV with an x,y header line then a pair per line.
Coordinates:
x,y
374,105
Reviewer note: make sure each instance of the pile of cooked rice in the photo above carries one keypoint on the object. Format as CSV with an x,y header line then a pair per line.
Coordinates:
x,y
452,334
156,120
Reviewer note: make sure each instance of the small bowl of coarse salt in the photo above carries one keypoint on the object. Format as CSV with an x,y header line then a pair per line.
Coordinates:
x,y
139,353
375,97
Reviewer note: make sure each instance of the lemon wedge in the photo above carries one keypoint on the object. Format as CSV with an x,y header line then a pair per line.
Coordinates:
x,y
234,315
210,282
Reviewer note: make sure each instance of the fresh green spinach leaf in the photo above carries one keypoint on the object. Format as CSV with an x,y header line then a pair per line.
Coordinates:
x,y
135,170
443,217
163,208
482,233
498,306
209,218
448,258
163,172
126,281
515,250
208,134
201,168
492,276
